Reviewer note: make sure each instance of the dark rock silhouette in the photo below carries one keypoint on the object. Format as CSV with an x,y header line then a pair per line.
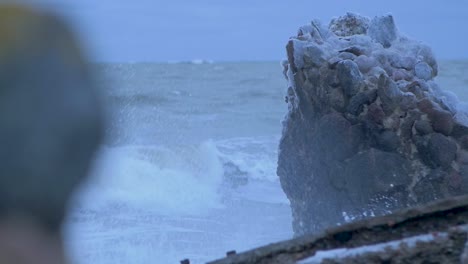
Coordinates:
x,y
368,130
51,126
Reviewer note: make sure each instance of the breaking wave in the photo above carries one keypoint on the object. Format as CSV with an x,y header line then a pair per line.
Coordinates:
x,y
176,180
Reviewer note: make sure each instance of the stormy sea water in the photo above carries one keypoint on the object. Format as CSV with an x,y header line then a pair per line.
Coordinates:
x,y
188,169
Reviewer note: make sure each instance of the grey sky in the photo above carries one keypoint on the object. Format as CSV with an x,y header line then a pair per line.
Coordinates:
x,y
155,30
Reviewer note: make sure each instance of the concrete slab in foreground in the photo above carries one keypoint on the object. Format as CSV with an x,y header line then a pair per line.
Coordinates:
x,y
436,232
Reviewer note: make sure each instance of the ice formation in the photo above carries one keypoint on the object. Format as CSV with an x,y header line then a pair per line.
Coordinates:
x,y
368,131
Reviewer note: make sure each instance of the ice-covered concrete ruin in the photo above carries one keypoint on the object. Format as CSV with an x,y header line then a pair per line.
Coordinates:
x,y
368,131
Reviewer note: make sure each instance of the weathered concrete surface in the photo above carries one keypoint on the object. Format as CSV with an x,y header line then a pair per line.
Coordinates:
x,y
445,247
448,216
368,131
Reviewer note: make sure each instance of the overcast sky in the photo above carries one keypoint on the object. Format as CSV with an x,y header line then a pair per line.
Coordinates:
x,y
234,30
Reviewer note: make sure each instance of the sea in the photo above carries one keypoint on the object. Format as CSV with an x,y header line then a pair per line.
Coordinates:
x,y
188,166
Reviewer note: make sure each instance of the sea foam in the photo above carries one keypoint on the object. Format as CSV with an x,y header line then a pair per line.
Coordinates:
x,y
170,180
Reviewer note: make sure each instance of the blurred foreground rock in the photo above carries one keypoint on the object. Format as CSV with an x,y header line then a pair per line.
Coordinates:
x,y
434,233
50,129
49,113
368,130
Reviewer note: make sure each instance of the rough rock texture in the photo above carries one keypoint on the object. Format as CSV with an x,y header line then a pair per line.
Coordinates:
x,y
438,232
368,130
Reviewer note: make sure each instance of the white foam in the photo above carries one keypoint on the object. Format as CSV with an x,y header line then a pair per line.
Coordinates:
x,y
147,203
257,157
183,180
